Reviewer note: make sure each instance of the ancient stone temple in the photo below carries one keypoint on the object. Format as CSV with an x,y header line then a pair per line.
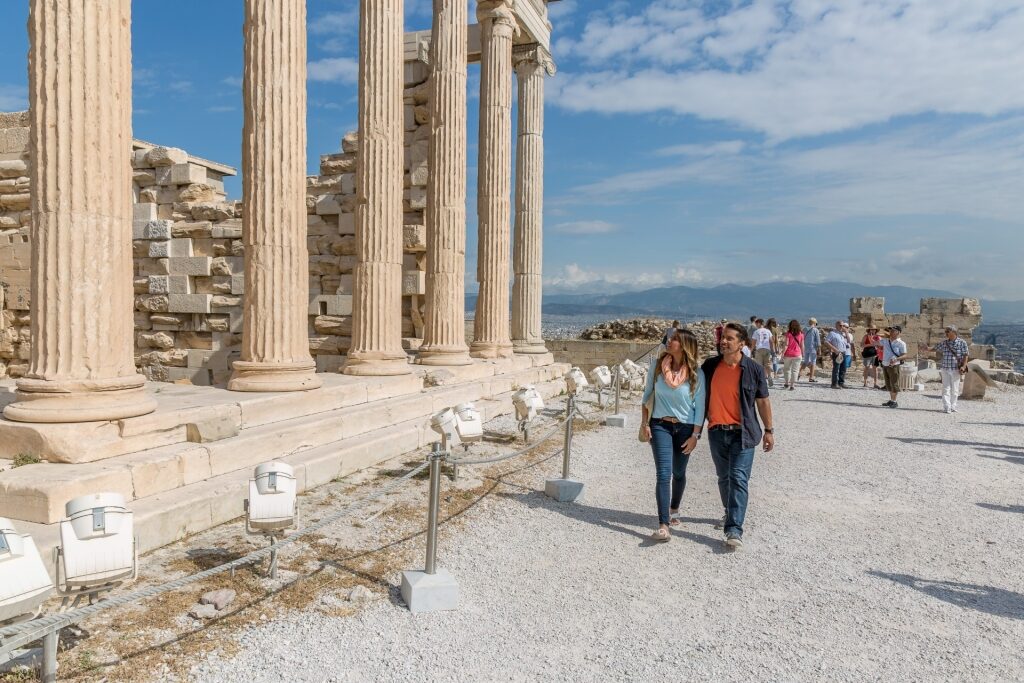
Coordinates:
x,y
160,340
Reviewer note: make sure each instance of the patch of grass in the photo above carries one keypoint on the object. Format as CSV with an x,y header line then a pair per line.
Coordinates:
x,y
18,675
26,459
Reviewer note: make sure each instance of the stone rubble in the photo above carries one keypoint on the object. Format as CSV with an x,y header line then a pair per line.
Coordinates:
x,y
650,329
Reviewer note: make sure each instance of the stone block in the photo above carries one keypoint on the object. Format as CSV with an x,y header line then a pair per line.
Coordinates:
x,y
424,592
165,156
414,238
327,205
618,420
188,303
346,224
169,284
187,174
194,265
563,490
215,428
13,168
330,304
414,282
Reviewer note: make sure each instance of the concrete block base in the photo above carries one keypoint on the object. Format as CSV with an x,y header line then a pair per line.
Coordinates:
x,y
617,420
564,490
424,592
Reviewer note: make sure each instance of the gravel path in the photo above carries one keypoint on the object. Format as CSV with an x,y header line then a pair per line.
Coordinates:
x,y
880,545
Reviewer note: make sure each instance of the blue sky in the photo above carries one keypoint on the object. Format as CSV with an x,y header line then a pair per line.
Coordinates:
x,y
691,142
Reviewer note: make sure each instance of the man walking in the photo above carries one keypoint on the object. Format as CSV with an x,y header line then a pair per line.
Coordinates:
x,y
737,393
894,350
764,345
953,356
838,346
670,332
812,342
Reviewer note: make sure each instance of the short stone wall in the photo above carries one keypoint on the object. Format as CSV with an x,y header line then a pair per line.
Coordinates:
x,y
926,327
587,355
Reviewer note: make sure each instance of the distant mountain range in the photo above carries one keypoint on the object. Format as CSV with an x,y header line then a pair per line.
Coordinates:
x,y
771,299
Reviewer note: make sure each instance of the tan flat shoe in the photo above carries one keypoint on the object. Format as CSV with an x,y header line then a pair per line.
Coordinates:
x,y
661,536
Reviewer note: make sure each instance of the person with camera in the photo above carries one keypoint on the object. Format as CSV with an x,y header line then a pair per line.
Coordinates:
x,y
894,351
953,356
837,345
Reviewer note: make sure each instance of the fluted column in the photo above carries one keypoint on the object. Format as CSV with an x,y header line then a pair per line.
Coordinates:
x,y
444,332
275,343
491,322
80,95
532,63
377,286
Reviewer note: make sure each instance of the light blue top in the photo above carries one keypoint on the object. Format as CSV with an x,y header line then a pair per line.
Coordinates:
x,y
812,340
677,403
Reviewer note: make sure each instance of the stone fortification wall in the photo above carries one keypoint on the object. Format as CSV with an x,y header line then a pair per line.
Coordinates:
x,y
927,327
587,355
189,258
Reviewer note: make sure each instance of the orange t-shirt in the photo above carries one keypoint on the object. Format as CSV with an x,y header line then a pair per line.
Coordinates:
x,y
724,404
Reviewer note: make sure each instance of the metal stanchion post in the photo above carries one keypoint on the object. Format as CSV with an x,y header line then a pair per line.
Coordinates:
x,y
565,490
432,589
617,419
618,388
433,508
48,669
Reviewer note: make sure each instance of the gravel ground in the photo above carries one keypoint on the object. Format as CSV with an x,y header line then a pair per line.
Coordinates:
x,y
880,545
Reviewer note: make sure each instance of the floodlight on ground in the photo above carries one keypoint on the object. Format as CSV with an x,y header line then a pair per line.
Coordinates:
x,y
445,423
97,549
272,508
601,376
575,381
24,582
528,403
468,423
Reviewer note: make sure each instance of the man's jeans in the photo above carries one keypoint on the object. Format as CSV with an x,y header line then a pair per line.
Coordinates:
x,y
950,388
838,369
667,439
733,464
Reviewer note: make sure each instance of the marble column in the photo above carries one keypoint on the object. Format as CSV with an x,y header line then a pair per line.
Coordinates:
x,y
532,63
444,332
82,364
377,285
275,344
491,337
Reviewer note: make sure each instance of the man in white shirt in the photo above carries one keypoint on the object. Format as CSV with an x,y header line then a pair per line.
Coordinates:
x,y
763,348
894,350
836,343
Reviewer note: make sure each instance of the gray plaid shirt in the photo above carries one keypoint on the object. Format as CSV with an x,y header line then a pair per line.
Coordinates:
x,y
953,353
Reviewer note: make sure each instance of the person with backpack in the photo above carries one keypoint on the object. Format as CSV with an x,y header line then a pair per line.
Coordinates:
x,y
869,354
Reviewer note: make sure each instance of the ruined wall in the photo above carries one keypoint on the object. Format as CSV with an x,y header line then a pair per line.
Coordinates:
x,y
927,327
189,258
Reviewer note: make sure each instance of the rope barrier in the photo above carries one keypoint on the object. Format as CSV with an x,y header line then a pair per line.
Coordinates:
x,y
16,635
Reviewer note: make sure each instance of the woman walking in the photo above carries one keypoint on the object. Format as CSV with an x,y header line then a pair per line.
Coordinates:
x,y
673,415
793,355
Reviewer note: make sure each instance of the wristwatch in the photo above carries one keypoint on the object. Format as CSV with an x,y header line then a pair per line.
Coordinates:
x,y
769,430
696,435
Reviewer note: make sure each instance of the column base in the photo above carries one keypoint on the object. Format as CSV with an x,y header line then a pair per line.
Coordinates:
x,y
270,377
56,401
525,346
490,350
443,355
376,364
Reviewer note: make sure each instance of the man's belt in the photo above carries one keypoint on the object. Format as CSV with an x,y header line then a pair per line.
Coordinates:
x,y
725,428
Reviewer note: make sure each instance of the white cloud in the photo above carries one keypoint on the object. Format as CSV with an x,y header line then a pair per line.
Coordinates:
x,y
220,108
792,68
711,149
339,69
574,277
13,97
560,11
335,23
585,228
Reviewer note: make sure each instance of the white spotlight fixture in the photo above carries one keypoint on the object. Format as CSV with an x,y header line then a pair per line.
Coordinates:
x,y
446,424
98,550
468,423
272,508
575,381
24,583
528,403
601,376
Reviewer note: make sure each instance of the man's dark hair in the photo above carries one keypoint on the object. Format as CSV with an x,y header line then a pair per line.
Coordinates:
x,y
759,321
740,331
753,318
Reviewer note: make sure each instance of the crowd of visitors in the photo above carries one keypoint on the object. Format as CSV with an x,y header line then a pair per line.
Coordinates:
x,y
728,392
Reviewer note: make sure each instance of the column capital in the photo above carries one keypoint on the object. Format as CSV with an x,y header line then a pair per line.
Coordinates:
x,y
497,13
533,55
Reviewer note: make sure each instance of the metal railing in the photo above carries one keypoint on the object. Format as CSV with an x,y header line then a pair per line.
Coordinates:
x,y
47,627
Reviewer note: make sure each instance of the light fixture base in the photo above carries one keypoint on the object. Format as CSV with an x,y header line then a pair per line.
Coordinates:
x,y
424,592
564,490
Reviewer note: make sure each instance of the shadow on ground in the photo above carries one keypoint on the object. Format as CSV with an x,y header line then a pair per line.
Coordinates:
x,y
1019,509
624,522
987,599
1015,453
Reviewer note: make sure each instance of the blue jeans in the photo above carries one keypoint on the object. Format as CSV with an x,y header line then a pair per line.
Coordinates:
x,y
667,439
838,370
733,464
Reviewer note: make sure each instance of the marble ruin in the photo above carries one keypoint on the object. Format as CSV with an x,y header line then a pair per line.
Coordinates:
x,y
926,327
161,339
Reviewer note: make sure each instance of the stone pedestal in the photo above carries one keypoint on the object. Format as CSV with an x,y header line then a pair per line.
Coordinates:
x,y
491,337
444,336
424,592
564,490
377,283
532,63
616,420
80,96
275,345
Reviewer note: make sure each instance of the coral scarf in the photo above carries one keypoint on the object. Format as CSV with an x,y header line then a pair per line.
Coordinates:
x,y
674,379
